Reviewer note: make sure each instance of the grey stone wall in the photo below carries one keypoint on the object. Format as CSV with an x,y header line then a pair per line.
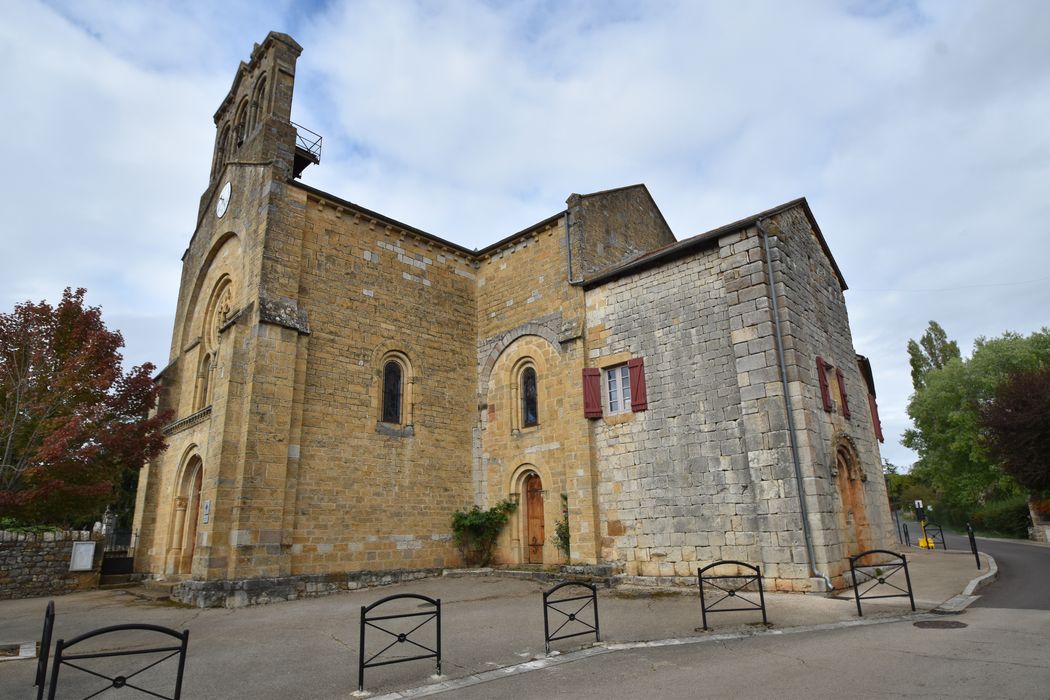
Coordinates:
x,y
706,472
816,323
674,483
34,565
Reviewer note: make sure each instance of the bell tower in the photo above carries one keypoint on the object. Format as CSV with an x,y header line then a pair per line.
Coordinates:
x,y
253,124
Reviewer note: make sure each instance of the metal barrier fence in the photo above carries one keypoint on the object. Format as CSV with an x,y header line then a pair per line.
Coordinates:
x,y
730,591
582,626
76,661
935,534
399,637
973,545
880,573
45,650
907,536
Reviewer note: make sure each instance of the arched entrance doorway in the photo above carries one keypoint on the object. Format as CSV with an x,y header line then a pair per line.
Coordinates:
x,y
186,514
534,526
853,518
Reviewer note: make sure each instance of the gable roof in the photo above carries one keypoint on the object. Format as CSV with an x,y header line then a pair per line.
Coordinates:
x,y
709,238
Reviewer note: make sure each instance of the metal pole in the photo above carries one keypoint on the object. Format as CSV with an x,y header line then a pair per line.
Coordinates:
x,y
907,577
973,545
546,627
703,604
361,656
594,599
439,636
856,591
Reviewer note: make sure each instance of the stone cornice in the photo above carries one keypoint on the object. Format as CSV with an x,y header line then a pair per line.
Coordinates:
x,y
187,422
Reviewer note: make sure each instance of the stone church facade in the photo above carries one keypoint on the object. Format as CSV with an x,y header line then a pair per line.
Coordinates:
x,y
343,382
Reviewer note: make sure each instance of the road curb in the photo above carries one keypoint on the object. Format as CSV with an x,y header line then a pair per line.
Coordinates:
x,y
956,605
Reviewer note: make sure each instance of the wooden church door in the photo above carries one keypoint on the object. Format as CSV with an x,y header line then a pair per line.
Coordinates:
x,y
534,518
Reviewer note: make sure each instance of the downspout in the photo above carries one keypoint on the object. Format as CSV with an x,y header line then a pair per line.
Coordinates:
x,y
792,435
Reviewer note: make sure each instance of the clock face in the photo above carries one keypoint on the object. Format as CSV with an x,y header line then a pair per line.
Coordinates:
x,y
223,203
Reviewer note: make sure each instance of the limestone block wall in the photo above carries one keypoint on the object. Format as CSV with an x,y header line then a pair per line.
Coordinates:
x,y
370,495
37,564
816,323
612,227
675,488
529,313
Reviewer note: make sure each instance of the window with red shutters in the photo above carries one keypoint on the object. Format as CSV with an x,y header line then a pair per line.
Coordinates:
x,y
842,392
636,369
875,417
822,377
592,392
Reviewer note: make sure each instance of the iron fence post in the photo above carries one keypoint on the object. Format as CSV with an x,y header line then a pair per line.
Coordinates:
x,y
361,656
703,603
907,578
439,636
762,598
907,535
856,591
973,545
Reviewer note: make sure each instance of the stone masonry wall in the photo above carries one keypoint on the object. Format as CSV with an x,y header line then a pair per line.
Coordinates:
x,y
367,494
675,488
816,323
612,227
529,313
34,565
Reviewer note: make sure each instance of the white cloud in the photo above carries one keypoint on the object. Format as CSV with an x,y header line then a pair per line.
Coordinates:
x,y
916,130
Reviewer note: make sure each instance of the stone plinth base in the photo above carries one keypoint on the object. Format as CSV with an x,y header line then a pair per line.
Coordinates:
x,y
260,591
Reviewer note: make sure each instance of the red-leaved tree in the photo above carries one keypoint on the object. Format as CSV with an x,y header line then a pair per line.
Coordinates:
x,y
1017,426
72,423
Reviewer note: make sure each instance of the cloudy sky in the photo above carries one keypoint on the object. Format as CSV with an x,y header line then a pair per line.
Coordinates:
x,y
919,132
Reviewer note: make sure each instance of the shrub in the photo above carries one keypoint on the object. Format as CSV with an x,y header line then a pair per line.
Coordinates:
x,y
1006,517
475,531
560,538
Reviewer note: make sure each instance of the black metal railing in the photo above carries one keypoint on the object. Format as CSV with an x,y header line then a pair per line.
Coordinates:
x,y
119,541
935,534
134,680
307,140
879,574
731,588
907,536
399,637
973,544
577,626
45,650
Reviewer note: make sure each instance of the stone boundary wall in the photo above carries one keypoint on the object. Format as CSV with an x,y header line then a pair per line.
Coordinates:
x,y
1040,531
37,564
260,591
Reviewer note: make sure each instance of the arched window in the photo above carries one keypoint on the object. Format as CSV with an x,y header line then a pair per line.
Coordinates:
x,y
393,385
529,412
240,130
258,104
221,149
203,389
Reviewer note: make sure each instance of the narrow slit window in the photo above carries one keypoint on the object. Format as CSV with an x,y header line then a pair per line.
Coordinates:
x,y
529,409
392,381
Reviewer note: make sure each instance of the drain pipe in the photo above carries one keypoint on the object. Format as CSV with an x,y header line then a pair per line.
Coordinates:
x,y
792,435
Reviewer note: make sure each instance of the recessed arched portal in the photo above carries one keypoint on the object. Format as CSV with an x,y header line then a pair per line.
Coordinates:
x,y
185,516
853,518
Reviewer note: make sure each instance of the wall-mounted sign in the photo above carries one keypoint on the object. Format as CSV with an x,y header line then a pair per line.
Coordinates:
x,y
83,556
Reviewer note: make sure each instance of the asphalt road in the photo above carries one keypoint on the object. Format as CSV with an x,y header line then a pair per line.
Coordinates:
x,y
1024,570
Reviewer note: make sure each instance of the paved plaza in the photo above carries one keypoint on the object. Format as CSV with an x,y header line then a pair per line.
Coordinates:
x,y
309,648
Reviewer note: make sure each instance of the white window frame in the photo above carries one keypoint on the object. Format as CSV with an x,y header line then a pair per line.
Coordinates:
x,y
614,380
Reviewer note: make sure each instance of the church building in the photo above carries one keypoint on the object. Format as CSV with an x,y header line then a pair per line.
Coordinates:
x,y
343,382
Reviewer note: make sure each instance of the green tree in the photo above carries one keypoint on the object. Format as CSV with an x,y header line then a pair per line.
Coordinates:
x,y
1017,428
953,455
73,425
933,351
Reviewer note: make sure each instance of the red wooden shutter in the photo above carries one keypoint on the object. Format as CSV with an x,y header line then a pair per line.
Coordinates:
x,y
875,417
822,376
842,393
636,369
592,392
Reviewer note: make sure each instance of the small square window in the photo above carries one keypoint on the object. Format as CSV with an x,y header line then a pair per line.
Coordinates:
x,y
617,389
